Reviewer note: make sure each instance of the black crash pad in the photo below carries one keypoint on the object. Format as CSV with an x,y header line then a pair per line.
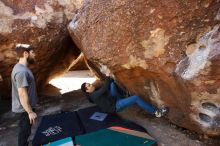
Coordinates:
x,y
91,125
55,127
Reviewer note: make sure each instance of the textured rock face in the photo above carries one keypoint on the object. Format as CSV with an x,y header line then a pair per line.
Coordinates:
x,y
167,52
43,24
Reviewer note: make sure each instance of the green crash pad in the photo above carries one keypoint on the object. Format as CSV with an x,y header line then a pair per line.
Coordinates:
x,y
63,142
107,137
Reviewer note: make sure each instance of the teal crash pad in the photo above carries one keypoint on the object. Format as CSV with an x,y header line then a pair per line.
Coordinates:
x,y
64,142
107,137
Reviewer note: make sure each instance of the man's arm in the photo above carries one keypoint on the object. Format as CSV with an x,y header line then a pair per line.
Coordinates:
x,y
103,89
1,79
22,92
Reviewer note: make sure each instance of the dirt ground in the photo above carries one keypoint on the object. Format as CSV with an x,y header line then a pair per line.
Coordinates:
x,y
161,129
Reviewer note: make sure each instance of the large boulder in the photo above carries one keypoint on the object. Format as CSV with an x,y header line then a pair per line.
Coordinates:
x,y
167,52
43,24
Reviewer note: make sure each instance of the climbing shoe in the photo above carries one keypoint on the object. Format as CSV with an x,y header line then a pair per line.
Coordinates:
x,y
161,112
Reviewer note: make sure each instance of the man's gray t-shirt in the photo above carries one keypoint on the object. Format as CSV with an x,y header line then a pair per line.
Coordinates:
x,y
22,76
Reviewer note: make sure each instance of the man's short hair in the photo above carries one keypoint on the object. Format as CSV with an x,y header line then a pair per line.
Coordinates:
x,y
21,48
83,87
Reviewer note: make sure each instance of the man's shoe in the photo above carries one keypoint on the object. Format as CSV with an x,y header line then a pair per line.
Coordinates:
x,y
161,112
158,114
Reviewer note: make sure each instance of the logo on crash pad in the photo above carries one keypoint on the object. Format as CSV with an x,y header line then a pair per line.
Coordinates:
x,y
52,131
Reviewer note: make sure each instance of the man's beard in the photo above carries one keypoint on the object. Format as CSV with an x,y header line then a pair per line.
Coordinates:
x,y
30,60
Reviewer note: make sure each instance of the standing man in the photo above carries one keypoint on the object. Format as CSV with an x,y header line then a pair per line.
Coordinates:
x,y
24,94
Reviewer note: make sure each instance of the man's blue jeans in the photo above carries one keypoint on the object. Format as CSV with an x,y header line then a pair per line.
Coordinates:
x,y
122,103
